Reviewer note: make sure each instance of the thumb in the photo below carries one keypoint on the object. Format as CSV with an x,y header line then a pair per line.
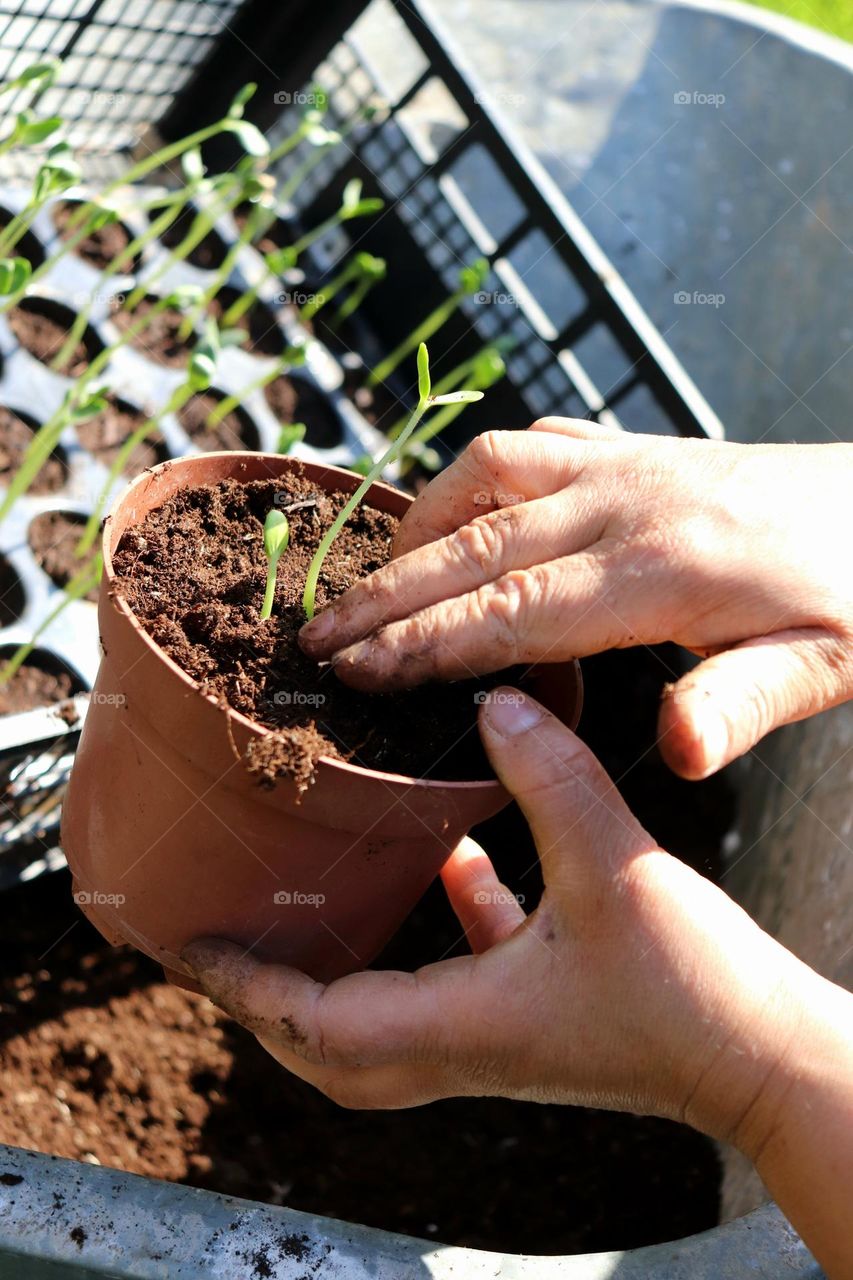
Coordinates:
x,y
367,1019
728,703
582,827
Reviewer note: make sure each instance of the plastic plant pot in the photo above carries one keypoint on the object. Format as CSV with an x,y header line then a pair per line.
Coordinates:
x,y
168,836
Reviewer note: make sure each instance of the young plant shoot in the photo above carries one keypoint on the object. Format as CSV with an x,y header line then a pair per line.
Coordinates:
x,y
425,401
282,260
276,538
471,280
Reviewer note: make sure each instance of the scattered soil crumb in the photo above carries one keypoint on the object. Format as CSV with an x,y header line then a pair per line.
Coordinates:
x,y
291,753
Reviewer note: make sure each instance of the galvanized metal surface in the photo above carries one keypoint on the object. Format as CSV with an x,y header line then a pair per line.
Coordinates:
x,y
62,1219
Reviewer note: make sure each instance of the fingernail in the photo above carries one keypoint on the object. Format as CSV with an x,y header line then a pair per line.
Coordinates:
x,y
355,655
511,713
319,628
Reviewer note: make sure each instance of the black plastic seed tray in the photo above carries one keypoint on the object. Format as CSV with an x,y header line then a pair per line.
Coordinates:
x,y
459,186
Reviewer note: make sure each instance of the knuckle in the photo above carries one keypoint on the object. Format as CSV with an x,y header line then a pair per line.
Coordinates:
x,y
502,608
480,544
485,450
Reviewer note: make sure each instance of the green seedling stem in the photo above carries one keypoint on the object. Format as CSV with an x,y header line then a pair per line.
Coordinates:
x,y
289,359
258,220
176,401
276,538
79,586
425,401
157,227
488,374
57,173
159,159
352,206
202,223
363,267
470,281
45,441
461,373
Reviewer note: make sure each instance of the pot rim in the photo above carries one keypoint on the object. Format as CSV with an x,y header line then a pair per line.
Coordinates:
x,y
233,717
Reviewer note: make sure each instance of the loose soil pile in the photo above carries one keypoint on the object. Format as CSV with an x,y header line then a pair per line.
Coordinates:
x,y
102,1061
194,574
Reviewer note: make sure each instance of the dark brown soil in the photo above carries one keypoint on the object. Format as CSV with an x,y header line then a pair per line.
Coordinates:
x,y
194,573
102,247
297,400
208,254
102,1061
16,433
159,340
263,336
52,536
235,431
39,682
12,598
105,434
41,326
29,246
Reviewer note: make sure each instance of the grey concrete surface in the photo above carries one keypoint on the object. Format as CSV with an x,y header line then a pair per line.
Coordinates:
x,y
713,161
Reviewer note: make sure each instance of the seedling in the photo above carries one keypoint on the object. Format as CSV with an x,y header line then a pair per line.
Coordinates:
x,y
322,140
425,401
76,407
276,538
282,260
80,585
290,358
202,368
57,173
471,280
363,270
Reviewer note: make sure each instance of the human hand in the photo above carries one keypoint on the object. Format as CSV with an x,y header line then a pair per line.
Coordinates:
x,y
570,539
635,984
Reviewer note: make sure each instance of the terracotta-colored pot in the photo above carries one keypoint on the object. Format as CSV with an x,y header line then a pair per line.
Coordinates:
x,y
169,838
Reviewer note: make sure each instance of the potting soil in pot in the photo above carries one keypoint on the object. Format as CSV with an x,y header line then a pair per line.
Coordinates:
x,y
194,573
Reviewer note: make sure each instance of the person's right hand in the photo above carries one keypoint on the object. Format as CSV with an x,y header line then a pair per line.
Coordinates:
x,y
634,984
570,539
